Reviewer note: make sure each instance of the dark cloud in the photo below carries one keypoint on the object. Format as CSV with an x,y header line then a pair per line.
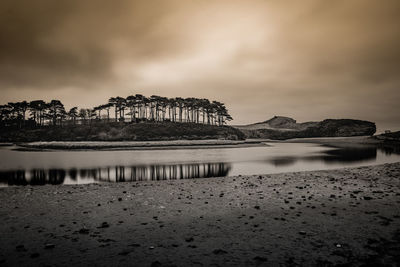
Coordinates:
x,y
48,43
30,52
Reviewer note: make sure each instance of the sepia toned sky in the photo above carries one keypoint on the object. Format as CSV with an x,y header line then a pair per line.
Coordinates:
x,y
310,59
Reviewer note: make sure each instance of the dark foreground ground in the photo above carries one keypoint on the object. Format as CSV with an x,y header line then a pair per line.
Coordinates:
x,y
347,217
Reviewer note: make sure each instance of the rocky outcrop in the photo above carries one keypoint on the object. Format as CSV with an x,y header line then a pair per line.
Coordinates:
x,y
281,128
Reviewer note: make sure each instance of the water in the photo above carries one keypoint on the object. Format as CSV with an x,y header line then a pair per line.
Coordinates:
x,y
78,167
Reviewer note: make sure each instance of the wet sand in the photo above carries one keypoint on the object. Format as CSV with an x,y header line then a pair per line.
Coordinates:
x,y
347,217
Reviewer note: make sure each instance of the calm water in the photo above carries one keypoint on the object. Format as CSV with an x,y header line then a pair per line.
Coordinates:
x,y
77,167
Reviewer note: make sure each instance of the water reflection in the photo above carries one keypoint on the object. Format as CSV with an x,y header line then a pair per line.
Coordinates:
x,y
283,161
76,167
332,155
349,154
389,149
115,174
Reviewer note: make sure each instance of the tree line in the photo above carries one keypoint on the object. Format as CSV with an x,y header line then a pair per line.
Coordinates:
x,y
134,108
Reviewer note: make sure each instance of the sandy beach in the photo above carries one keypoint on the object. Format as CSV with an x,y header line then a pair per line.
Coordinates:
x,y
347,217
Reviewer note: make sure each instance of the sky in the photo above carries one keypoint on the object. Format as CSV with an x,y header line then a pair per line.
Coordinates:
x,y
309,60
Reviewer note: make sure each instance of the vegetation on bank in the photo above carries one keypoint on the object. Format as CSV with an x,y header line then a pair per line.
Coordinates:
x,y
135,117
134,108
120,131
392,135
390,139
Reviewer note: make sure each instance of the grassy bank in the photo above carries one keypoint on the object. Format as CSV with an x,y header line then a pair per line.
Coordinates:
x,y
122,132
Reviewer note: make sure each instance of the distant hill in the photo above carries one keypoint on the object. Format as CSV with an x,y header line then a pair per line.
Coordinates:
x,y
278,122
281,128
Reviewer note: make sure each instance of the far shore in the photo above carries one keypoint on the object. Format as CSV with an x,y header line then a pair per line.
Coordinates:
x,y
353,141
350,139
338,141
138,145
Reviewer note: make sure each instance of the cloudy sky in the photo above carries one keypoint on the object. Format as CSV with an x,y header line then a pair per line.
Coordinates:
x,y
309,59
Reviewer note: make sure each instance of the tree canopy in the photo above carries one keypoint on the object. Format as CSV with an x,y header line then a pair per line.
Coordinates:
x,y
134,108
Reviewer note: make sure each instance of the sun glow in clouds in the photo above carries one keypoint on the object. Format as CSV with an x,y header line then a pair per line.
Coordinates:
x,y
213,38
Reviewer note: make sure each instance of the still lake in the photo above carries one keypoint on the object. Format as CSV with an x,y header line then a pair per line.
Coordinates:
x,y
78,167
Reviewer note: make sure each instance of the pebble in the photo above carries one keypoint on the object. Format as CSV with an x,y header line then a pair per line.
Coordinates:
x,y
259,258
219,251
20,248
35,255
84,231
104,225
49,246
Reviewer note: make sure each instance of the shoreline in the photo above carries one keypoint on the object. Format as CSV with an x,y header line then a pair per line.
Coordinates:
x,y
136,145
187,144
354,141
343,216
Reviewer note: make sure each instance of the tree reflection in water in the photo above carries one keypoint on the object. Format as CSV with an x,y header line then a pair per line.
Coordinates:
x,y
115,174
336,155
323,159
